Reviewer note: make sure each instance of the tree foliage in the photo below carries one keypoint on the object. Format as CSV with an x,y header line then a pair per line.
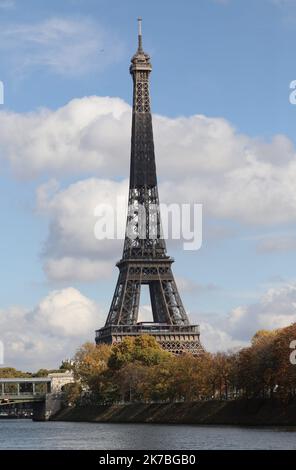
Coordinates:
x,y
138,369
10,372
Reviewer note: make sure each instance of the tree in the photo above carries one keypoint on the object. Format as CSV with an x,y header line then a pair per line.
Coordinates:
x,y
89,363
285,372
133,381
10,372
144,349
222,365
66,365
138,369
72,393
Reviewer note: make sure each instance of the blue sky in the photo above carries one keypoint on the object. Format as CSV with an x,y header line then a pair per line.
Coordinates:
x,y
228,60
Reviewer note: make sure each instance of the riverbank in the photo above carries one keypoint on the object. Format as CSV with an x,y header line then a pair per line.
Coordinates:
x,y
255,412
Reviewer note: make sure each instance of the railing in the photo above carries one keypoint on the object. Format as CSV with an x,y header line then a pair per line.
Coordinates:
x,y
147,328
10,398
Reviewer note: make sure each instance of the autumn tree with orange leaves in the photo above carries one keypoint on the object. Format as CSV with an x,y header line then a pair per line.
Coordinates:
x,y
139,370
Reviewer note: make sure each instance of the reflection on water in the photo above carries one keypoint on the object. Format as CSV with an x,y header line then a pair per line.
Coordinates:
x,y
25,434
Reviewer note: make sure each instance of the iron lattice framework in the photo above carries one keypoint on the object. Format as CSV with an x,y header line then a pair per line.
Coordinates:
x,y
145,260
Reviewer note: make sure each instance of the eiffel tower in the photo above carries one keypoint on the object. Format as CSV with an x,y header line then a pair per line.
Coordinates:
x,y
144,259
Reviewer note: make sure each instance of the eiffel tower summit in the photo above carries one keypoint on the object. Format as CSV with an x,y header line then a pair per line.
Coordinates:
x,y
145,260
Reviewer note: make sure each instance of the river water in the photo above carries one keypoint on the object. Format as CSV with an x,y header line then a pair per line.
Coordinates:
x,y
26,434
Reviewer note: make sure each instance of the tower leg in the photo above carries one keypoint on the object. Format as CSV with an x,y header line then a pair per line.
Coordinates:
x,y
158,303
124,309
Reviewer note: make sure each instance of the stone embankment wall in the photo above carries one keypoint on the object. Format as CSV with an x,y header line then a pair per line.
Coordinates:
x,y
239,412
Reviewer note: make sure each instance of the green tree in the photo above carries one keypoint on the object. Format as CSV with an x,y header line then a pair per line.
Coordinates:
x,y
144,349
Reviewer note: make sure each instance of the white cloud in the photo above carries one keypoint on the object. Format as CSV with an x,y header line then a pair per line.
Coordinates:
x,y
215,339
255,193
66,313
51,332
77,269
87,135
275,309
66,46
65,318
234,176
72,252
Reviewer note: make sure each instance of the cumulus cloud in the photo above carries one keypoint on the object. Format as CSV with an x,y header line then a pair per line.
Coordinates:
x,y
216,339
72,250
66,313
234,176
51,332
199,159
92,134
43,336
86,135
71,239
76,269
65,46
256,193
275,309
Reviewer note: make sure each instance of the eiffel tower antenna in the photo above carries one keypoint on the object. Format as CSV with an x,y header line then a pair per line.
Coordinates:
x,y
140,48
144,259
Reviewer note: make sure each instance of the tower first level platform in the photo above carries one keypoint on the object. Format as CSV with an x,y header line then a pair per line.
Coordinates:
x,y
173,338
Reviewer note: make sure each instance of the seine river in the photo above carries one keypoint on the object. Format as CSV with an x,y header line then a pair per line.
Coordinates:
x,y
26,434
